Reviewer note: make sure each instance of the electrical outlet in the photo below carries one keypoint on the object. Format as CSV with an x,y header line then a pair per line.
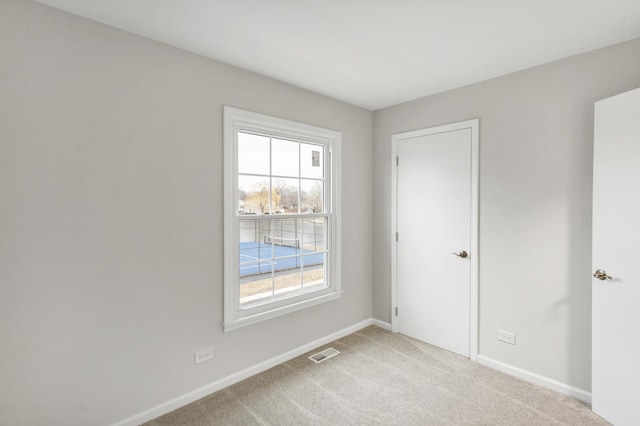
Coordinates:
x,y
203,355
505,336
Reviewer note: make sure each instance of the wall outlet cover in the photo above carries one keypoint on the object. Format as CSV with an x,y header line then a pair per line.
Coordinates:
x,y
505,336
203,355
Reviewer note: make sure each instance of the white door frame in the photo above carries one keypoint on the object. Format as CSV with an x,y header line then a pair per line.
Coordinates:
x,y
473,255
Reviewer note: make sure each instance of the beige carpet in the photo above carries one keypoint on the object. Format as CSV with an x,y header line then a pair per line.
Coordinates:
x,y
381,378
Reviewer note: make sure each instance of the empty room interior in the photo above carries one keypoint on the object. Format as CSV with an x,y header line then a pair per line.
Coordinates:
x,y
196,196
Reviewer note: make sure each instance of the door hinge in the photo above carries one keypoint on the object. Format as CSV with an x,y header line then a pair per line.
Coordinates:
x,y
396,311
397,161
397,236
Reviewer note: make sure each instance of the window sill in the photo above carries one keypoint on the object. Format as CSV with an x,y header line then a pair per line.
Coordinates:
x,y
274,313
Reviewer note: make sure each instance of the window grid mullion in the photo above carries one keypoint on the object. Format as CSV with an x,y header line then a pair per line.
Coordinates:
x,y
301,221
289,225
279,176
299,181
270,220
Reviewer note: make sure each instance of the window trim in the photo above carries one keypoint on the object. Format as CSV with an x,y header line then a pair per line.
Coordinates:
x,y
236,120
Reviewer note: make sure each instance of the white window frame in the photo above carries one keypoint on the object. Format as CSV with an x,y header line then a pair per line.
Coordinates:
x,y
237,120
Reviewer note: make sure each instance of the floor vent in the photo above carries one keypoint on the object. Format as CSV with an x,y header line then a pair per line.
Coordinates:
x,y
324,355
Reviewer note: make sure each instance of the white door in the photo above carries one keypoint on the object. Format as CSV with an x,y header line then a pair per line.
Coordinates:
x,y
434,245
616,248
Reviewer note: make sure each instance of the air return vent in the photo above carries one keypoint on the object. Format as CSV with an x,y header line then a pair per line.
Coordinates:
x,y
324,355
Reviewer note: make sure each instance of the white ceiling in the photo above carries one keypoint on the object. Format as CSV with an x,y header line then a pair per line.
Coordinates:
x,y
374,53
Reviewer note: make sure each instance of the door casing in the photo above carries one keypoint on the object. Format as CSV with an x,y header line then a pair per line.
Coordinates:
x,y
474,125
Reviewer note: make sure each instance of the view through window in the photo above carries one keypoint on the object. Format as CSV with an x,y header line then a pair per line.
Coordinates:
x,y
281,216
281,253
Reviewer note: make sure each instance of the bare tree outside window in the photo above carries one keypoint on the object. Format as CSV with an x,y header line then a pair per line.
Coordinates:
x,y
258,199
287,190
312,196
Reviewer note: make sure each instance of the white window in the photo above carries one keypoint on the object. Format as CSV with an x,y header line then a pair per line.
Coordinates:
x,y
281,217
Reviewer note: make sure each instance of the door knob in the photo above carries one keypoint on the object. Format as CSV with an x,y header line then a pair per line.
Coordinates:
x,y
601,275
463,254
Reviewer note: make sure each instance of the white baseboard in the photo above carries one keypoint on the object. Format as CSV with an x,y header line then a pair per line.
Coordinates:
x,y
381,324
194,395
530,377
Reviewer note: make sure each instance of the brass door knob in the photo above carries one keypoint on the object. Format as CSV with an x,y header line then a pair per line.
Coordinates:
x,y
601,275
463,254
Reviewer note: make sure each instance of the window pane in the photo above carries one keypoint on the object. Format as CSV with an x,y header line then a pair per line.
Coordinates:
x,y
285,158
253,154
313,234
313,272
313,260
255,255
252,231
255,288
256,261
311,161
288,283
311,196
253,195
285,237
286,193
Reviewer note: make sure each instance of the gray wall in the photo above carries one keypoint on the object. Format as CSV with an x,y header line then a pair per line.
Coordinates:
x,y
111,214
536,140
111,219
